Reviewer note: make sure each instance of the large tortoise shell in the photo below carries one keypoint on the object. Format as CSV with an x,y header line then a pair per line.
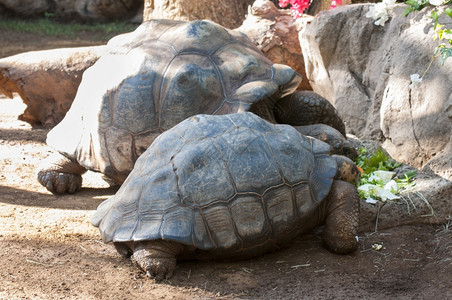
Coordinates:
x,y
155,77
224,183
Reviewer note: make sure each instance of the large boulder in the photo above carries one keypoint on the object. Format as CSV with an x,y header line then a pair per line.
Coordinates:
x,y
317,6
364,70
106,9
275,33
25,8
228,13
98,10
46,80
426,202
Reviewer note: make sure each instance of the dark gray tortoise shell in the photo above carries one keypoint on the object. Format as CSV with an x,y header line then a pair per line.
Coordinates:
x,y
226,183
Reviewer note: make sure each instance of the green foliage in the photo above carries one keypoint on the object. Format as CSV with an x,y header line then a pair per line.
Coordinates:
x,y
441,33
448,12
435,17
407,177
445,52
414,5
48,26
378,161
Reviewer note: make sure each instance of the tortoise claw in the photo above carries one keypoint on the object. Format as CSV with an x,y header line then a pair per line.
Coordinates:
x,y
60,183
60,175
159,273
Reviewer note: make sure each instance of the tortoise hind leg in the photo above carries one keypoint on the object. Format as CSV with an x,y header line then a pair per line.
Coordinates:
x,y
157,257
341,219
61,175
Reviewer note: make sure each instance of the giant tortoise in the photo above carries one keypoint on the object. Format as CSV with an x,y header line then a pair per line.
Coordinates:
x,y
160,74
229,186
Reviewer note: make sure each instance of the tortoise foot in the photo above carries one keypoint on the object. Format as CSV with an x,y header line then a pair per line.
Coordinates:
x,y
60,175
157,258
60,183
157,268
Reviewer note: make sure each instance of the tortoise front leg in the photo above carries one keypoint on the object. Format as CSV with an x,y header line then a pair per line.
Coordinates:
x,y
341,209
339,144
157,258
307,108
61,175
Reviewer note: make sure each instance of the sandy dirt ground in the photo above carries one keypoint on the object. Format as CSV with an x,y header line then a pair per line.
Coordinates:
x,y
49,249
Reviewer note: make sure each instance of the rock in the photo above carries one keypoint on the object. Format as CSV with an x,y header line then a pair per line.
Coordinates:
x,y
98,10
317,6
107,9
47,80
364,70
228,13
26,7
427,202
275,33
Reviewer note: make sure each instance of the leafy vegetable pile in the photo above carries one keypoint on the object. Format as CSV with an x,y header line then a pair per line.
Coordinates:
x,y
377,182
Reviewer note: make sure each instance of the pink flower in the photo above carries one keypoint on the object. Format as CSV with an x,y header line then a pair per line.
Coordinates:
x,y
283,3
297,6
335,3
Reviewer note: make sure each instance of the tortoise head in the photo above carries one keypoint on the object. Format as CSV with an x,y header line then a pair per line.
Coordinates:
x,y
346,169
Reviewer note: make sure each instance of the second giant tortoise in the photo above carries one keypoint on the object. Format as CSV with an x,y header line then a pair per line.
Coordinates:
x,y
160,74
229,186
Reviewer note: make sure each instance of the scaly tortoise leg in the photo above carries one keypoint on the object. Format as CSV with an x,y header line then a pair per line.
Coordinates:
x,y
315,116
61,175
339,144
341,209
307,108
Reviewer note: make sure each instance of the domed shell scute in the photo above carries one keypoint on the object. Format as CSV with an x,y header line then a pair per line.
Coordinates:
x,y
133,97
160,157
148,227
250,220
280,209
177,224
201,237
287,152
221,226
160,189
200,167
191,85
119,147
253,150
322,175
226,188
198,35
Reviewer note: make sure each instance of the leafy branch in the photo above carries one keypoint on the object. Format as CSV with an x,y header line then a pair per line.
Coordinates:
x,y
444,50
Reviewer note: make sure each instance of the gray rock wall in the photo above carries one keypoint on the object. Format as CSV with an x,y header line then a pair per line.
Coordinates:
x,y
96,10
364,70
228,13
